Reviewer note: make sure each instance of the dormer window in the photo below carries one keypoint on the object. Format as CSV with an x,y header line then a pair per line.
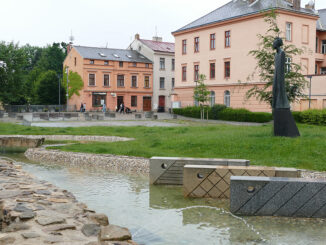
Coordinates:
x,y
101,54
115,55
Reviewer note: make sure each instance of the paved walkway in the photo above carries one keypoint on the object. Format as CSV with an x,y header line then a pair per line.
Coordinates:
x,y
105,123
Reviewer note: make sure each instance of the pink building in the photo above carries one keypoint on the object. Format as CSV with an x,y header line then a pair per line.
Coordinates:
x,y
111,76
218,44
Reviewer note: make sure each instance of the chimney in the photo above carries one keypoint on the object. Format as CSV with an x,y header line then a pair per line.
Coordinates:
x,y
297,4
137,36
157,39
69,47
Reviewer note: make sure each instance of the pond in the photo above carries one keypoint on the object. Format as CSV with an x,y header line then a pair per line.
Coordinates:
x,y
161,215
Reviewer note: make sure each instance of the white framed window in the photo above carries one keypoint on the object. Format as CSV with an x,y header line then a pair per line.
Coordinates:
x,y
134,81
323,46
227,98
162,63
288,61
212,98
106,80
91,79
288,34
120,80
162,82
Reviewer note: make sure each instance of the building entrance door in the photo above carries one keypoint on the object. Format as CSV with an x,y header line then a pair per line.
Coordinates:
x,y
147,103
161,103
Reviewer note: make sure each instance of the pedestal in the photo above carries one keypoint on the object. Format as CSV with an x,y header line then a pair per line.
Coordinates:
x,y
284,124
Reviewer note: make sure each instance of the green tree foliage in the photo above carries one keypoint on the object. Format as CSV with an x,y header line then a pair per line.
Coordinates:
x,y
201,93
13,77
75,83
294,80
20,80
48,88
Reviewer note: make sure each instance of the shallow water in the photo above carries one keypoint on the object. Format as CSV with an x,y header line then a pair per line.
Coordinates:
x,y
160,215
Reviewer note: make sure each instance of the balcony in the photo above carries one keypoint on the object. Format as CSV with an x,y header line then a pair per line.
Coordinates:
x,y
320,57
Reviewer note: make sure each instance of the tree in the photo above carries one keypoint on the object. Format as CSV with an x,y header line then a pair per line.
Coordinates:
x,y
75,83
48,88
13,77
201,94
294,80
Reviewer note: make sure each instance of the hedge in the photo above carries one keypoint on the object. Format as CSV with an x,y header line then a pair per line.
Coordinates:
x,y
221,112
316,117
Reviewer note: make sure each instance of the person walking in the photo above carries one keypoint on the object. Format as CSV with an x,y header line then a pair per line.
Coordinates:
x,y
81,107
122,108
84,108
104,108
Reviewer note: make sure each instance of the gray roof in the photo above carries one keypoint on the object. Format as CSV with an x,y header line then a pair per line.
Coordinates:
x,y
111,54
321,22
238,8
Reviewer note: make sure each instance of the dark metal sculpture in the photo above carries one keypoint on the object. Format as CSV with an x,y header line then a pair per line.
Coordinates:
x,y
284,124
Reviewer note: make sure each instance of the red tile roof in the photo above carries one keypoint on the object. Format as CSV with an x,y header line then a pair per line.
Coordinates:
x,y
159,46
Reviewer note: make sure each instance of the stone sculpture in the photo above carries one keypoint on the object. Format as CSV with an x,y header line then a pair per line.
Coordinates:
x,y
284,124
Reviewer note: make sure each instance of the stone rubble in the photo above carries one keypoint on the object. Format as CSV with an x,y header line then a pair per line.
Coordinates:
x,y
105,161
36,212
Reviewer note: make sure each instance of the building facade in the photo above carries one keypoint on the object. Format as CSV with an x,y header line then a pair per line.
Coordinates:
x,y
162,55
111,77
218,44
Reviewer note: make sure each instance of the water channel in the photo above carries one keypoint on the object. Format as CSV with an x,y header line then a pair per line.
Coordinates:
x,y
159,215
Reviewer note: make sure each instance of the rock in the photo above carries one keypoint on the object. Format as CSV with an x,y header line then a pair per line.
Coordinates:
x,y
43,192
20,207
44,202
100,219
6,239
91,229
53,239
25,200
27,215
114,233
50,220
16,227
60,227
30,235
9,194
27,193
58,200
115,243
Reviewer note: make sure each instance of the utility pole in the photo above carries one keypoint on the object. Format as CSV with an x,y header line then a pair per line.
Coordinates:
x,y
67,69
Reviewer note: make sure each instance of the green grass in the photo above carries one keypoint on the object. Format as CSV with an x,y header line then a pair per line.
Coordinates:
x,y
211,141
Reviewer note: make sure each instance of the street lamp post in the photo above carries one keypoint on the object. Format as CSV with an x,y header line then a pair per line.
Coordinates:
x,y
67,68
59,78
309,76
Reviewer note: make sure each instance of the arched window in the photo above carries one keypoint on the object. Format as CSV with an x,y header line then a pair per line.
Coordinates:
x,y
212,98
227,96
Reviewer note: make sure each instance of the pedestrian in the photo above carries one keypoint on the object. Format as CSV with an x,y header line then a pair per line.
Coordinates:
x,y
104,108
122,108
84,107
81,107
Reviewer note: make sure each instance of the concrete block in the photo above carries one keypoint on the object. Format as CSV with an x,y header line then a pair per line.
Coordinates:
x,y
169,170
289,197
214,181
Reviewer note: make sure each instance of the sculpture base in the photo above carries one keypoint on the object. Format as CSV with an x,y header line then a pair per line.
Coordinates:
x,y
284,124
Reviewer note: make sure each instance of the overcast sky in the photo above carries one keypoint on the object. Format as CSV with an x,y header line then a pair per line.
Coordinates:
x,y
100,22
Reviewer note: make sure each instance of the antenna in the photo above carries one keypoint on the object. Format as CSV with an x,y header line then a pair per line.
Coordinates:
x,y
107,43
71,37
156,31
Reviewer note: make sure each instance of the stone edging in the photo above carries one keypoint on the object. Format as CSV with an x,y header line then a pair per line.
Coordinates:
x,y
105,161
36,212
74,137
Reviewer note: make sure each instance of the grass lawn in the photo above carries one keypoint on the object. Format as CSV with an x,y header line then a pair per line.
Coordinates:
x,y
211,141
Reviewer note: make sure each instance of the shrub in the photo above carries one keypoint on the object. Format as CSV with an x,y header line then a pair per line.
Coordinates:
x,y
220,112
215,110
243,115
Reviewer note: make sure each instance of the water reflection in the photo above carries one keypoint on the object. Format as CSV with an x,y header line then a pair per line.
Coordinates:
x,y
161,215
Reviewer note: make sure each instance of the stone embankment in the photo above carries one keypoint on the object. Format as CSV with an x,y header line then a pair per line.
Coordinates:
x,y
20,141
36,212
70,137
105,161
